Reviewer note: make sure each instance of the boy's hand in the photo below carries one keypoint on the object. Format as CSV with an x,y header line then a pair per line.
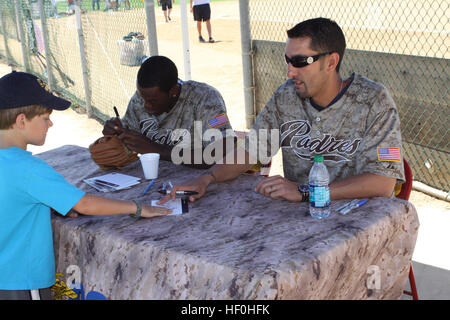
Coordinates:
x,y
151,211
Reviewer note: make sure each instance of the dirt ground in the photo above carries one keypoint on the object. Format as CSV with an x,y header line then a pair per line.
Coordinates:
x,y
220,64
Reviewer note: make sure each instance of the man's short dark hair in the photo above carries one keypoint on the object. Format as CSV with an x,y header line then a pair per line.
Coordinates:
x,y
325,35
157,71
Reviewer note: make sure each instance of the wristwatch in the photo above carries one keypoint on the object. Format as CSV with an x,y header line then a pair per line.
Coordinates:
x,y
304,191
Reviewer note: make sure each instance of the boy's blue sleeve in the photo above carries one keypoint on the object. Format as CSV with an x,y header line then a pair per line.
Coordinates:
x,y
51,188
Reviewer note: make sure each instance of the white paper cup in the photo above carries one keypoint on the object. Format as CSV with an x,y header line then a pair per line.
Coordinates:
x,y
150,164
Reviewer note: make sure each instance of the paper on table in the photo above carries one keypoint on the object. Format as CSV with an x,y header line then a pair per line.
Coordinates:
x,y
175,205
119,178
112,182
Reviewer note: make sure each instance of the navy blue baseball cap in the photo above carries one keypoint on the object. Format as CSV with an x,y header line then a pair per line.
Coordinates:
x,y
20,89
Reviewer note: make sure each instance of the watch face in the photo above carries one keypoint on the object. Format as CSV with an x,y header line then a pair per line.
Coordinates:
x,y
303,188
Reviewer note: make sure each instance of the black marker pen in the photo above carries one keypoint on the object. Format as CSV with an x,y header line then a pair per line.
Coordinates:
x,y
179,192
116,112
117,115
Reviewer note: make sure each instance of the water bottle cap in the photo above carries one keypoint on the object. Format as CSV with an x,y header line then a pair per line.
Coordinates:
x,y
318,158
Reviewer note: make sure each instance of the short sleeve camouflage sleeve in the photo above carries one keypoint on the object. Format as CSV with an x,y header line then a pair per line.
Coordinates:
x,y
211,110
380,151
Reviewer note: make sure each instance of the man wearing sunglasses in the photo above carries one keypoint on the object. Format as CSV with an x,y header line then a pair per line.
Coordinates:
x,y
352,122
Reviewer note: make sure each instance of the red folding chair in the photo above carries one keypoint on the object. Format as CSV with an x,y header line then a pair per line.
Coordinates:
x,y
403,191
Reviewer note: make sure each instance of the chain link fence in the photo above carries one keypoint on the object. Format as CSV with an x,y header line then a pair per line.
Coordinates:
x,y
114,41
402,44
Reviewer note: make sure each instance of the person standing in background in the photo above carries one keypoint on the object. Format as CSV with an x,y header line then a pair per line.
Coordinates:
x,y
95,2
166,8
202,12
126,4
70,7
54,9
108,5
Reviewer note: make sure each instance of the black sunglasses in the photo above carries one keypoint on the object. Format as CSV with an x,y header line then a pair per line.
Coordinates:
x,y
302,61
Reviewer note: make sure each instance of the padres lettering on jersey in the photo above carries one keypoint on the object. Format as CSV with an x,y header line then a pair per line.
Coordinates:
x,y
296,135
149,128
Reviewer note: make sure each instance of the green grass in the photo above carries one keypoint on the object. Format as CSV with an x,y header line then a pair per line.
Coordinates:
x,y
135,4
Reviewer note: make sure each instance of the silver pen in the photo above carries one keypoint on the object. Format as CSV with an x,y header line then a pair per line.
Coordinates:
x,y
353,205
354,201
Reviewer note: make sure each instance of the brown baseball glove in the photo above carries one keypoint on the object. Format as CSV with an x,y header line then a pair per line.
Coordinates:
x,y
109,152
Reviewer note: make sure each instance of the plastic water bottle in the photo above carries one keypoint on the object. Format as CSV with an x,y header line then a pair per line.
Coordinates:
x,y
319,189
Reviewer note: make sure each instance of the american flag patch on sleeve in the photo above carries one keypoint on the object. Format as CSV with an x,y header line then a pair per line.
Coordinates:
x,y
389,154
218,121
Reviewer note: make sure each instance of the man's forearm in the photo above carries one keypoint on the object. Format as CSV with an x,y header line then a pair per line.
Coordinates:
x,y
365,185
231,168
219,172
225,172
207,157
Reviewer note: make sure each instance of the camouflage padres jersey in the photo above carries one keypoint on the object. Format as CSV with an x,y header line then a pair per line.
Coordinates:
x,y
358,133
196,102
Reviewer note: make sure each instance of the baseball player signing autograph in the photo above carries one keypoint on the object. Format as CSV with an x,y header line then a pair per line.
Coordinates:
x,y
352,122
163,105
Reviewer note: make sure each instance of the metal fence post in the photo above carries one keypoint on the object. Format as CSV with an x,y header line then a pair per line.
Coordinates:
x,y
46,46
151,27
3,30
87,88
19,18
185,34
246,47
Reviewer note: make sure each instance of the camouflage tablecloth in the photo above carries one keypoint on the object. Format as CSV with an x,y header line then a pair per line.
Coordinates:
x,y
233,244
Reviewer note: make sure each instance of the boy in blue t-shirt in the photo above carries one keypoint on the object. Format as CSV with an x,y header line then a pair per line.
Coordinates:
x,y
29,188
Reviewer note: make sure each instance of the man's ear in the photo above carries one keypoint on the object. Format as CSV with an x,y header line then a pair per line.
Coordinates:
x,y
333,61
174,91
20,121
